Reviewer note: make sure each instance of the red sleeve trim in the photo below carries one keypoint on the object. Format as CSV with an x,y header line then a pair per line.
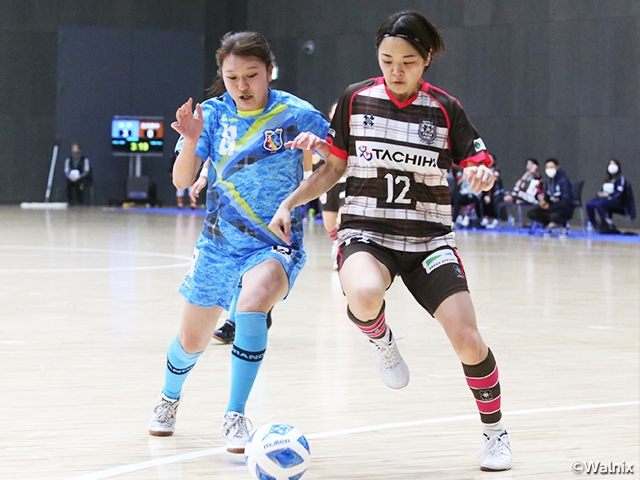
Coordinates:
x,y
338,152
480,158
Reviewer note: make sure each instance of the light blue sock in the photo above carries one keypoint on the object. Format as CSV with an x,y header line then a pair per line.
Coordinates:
x,y
179,364
234,302
246,356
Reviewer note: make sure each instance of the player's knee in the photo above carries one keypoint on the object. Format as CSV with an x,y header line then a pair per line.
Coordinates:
x,y
469,345
365,301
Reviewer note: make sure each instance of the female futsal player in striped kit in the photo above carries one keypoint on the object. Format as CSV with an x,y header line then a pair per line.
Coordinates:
x,y
243,132
396,137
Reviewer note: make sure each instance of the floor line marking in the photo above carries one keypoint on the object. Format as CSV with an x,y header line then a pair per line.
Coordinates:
x,y
134,467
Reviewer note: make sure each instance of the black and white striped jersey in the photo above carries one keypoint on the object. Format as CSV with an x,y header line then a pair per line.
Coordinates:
x,y
399,155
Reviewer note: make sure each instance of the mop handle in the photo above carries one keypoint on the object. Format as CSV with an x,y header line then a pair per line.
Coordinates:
x,y
54,157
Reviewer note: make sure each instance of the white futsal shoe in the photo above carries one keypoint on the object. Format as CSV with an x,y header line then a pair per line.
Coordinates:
x,y
163,420
497,453
234,429
392,369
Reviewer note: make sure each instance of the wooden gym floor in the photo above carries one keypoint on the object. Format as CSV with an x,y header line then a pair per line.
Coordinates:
x,y
89,304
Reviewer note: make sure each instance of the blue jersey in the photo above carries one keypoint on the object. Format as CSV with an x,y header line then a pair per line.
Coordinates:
x,y
252,171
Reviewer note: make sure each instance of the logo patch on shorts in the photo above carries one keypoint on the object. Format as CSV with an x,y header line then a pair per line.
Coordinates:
x,y
439,258
284,251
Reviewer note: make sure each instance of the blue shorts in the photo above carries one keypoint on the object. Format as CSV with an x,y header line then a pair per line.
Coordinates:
x,y
215,273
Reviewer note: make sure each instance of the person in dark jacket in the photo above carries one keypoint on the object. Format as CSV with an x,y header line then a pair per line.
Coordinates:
x,y
78,172
610,199
556,203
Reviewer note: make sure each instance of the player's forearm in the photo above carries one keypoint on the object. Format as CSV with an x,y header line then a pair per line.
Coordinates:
x,y
186,165
322,180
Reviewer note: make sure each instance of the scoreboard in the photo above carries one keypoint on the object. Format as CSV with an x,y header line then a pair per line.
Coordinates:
x,y
131,135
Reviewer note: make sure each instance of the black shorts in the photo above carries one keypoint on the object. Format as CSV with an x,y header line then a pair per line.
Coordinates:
x,y
334,198
431,277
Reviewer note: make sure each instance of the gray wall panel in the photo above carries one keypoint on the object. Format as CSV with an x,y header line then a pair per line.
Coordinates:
x,y
120,71
564,68
583,9
623,66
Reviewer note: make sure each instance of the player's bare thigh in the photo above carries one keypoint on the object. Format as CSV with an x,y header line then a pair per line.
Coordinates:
x,y
263,286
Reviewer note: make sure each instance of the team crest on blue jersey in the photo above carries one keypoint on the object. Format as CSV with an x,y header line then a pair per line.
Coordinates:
x,y
273,140
427,131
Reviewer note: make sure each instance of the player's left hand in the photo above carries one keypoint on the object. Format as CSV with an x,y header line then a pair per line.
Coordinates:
x,y
197,187
480,178
281,224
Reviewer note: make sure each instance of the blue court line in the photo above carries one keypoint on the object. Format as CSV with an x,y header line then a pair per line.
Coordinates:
x,y
509,231
572,235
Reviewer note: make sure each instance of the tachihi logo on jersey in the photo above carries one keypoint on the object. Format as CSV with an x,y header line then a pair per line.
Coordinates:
x,y
369,121
384,155
273,140
365,153
427,131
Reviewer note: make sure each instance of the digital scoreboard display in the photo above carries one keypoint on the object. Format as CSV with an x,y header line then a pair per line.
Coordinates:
x,y
132,135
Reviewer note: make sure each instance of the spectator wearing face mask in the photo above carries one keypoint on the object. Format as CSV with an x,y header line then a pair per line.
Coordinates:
x,y
609,199
555,207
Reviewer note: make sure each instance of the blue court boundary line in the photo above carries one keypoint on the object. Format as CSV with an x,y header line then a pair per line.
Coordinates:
x,y
509,231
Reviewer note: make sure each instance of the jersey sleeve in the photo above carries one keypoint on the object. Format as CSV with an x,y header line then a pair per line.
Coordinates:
x,y
204,142
467,148
339,131
313,121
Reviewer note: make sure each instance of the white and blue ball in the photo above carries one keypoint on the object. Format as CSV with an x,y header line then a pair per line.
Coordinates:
x,y
277,451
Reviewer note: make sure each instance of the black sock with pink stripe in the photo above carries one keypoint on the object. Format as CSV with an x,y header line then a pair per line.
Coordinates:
x,y
376,329
484,382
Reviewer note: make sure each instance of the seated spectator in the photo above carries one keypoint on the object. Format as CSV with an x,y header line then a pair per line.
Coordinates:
x,y
529,186
613,198
78,173
555,206
493,200
463,197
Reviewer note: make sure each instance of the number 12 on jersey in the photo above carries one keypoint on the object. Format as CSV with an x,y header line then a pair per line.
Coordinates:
x,y
392,193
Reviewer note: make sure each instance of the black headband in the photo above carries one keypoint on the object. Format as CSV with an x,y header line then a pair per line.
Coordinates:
x,y
401,35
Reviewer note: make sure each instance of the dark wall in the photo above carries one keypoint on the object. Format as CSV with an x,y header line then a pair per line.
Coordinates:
x,y
107,71
538,78
28,78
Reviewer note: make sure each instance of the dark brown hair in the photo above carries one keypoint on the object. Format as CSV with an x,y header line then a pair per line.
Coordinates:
x,y
413,27
243,44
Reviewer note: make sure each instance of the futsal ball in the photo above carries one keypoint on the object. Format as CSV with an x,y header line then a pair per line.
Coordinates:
x,y
277,451
74,174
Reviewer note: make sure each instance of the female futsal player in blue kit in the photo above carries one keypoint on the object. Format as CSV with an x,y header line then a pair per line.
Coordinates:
x,y
243,132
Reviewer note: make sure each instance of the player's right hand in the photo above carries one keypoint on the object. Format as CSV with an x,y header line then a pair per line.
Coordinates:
x,y
309,141
281,224
188,124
